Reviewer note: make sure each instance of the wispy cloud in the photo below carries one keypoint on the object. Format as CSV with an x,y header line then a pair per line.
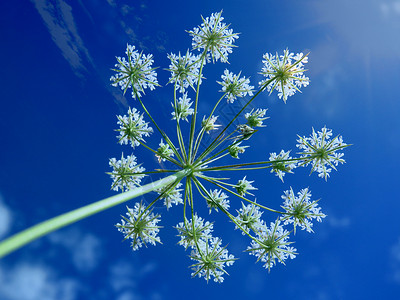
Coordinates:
x,y
367,27
84,248
5,218
395,261
342,222
125,277
58,17
31,282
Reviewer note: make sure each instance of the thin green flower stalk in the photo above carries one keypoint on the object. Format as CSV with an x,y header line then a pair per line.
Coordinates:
x,y
194,165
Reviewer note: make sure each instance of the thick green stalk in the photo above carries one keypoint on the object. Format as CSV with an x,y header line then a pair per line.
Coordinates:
x,y
28,235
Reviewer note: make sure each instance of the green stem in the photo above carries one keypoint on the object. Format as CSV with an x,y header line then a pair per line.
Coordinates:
x,y
28,235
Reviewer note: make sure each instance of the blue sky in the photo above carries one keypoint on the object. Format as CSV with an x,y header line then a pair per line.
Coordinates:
x,y
57,121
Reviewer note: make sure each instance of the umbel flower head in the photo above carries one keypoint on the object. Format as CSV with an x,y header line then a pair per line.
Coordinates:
x,y
217,199
132,128
183,108
284,73
191,232
140,226
249,218
234,86
191,166
135,72
300,211
163,151
125,173
214,37
281,163
272,245
211,259
184,70
256,118
321,151
171,195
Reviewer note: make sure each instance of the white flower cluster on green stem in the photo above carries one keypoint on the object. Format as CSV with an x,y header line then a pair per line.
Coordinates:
x,y
283,73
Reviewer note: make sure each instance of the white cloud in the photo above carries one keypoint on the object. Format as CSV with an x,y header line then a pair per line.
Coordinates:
x,y
343,222
111,2
85,248
125,278
395,261
32,282
367,33
5,218
390,7
57,15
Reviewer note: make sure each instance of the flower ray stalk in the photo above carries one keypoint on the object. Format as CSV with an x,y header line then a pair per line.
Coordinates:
x,y
161,131
207,151
218,183
193,121
178,127
200,186
201,133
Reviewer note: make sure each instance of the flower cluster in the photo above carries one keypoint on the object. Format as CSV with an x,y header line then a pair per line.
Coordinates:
x,y
194,162
249,218
272,245
164,151
126,173
284,73
132,128
140,226
214,37
184,70
217,199
191,232
282,163
171,195
320,151
182,109
299,210
135,72
211,259
256,118
234,86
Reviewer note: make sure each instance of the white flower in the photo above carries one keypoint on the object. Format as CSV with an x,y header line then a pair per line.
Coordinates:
x,y
164,151
184,70
132,128
135,73
286,71
234,86
279,166
171,196
214,37
256,118
217,199
192,233
140,226
209,124
300,210
211,259
183,109
124,174
271,245
243,186
249,218
321,151
235,149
